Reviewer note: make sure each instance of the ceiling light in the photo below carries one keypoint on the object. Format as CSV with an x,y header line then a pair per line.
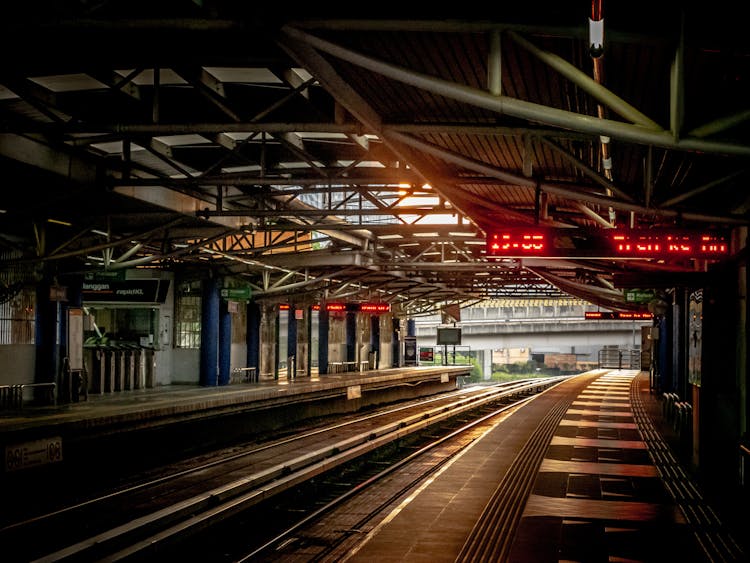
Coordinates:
x,y
60,222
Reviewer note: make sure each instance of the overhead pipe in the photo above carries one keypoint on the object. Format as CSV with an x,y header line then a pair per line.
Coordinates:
x,y
596,50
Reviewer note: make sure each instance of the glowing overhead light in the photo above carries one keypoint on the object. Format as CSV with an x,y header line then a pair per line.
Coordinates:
x,y
59,222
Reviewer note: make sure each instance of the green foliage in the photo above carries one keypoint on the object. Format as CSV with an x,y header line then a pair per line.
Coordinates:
x,y
93,341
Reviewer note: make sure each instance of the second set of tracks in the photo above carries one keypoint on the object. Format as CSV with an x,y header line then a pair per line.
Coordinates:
x,y
252,503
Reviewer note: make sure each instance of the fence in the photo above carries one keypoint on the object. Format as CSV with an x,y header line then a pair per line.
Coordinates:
x,y
619,359
15,396
445,355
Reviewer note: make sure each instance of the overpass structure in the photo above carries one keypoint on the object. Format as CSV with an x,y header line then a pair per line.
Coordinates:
x,y
516,331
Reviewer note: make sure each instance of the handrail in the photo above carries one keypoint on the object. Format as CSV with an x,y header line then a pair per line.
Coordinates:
x,y
619,358
11,396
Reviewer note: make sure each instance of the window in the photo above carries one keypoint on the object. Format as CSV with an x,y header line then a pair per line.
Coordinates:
x,y
188,316
17,316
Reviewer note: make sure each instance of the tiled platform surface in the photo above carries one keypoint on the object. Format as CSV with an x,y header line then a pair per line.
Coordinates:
x,y
596,496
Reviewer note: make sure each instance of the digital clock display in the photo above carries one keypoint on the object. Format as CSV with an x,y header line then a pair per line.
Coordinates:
x,y
518,243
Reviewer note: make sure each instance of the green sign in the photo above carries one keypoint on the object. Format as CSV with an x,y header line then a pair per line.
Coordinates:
x,y
639,295
236,293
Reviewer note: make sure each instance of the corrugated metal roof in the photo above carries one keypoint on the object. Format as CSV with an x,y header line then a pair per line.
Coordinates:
x,y
227,120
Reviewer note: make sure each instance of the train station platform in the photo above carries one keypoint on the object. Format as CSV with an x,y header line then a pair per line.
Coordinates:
x,y
583,472
127,429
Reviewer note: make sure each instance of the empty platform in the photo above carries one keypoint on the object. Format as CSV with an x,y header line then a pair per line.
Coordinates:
x,y
571,476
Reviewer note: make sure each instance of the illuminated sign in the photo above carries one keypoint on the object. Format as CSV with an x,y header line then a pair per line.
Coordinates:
x,y
374,308
660,243
611,315
663,244
515,242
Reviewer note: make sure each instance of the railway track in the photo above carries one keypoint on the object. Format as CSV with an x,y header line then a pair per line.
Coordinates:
x,y
159,514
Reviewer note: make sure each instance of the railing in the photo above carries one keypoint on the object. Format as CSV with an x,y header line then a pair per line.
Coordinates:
x,y
244,375
12,396
619,359
445,355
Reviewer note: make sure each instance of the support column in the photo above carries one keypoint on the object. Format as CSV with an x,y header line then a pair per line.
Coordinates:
x,y
268,340
253,336
209,332
323,341
225,342
374,341
291,345
396,343
351,336
47,327
410,343
302,355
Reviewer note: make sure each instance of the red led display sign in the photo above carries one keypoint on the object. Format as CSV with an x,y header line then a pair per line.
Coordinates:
x,y
665,244
358,307
516,242
375,307
550,242
613,315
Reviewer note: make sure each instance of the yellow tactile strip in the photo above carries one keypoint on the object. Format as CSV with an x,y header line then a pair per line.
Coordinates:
x,y
597,485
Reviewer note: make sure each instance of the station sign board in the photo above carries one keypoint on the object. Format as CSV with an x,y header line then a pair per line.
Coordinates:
x,y
236,293
125,291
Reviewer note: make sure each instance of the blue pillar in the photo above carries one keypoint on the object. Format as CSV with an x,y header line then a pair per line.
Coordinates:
x,y
209,332
411,327
665,352
253,336
323,341
291,342
225,342
309,338
276,335
47,326
351,336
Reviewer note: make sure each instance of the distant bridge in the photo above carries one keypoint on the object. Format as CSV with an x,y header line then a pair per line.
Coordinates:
x,y
521,329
